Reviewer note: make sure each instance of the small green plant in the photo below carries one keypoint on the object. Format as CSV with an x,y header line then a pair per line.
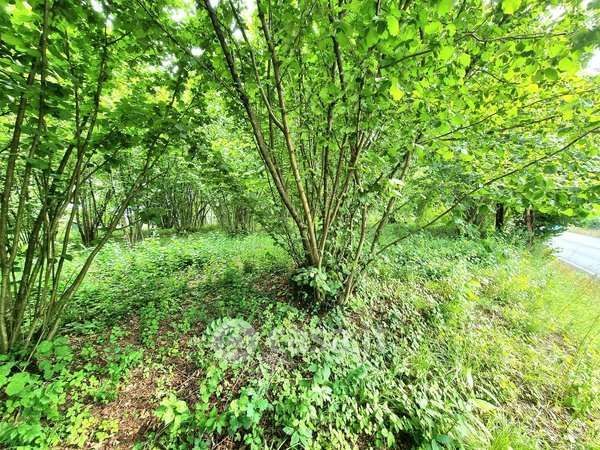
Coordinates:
x,y
313,282
32,405
174,413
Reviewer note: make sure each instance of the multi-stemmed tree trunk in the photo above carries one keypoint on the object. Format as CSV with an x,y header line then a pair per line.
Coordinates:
x,y
232,213
185,207
33,288
529,219
313,163
91,211
133,225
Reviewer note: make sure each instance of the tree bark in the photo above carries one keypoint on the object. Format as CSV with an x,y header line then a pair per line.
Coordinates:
x,y
500,216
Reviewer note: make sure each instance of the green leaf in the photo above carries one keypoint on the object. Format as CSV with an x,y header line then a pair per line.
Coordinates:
x,y
62,351
17,383
181,406
13,40
4,371
445,153
446,53
433,27
568,65
22,13
372,36
444,7
510,6
464,59
408,33
555,50
44,348
551,74
395,91
393,26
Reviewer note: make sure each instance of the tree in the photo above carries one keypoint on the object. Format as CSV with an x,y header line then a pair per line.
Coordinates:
x,y
352,102
73,104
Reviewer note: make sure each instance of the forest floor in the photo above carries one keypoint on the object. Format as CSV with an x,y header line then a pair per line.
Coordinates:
x,y
197,342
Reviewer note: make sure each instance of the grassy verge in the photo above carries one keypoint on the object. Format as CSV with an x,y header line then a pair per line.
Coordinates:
x,y
196,343
560,299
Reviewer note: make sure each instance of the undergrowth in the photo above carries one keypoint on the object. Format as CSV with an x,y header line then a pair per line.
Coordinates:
x,y
196,342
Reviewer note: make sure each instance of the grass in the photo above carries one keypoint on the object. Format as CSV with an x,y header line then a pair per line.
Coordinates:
x,y
563,299
196,342
551,314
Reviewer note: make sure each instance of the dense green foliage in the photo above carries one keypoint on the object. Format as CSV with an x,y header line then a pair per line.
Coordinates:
x,y
367,112
191,342
308,223
319,122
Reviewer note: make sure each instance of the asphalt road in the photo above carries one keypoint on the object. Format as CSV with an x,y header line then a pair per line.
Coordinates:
x,y
582,252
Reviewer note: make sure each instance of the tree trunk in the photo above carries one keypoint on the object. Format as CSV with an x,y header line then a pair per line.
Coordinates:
x,y
530,222
500,216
